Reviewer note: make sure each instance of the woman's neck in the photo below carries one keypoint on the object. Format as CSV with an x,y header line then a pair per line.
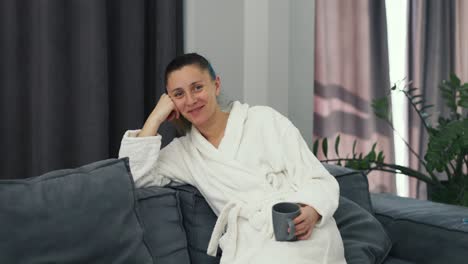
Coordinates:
x,y
213,131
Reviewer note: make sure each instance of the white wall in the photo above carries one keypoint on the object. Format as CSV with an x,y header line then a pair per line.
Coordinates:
x,y
262,49
301,66
215,29
396,30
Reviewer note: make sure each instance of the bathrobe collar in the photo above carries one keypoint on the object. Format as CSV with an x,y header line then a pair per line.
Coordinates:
x,y
231,140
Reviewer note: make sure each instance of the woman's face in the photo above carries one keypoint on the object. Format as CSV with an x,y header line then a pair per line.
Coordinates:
x,y
194,93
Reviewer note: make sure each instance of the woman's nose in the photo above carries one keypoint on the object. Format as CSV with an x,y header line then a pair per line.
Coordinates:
x,y
191,98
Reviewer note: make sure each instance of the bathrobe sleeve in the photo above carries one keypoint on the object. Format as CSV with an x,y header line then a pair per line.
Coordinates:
x,y
152,166
315,186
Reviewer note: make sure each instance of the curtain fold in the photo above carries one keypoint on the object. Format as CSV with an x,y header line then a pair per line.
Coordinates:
x,y
437,43
461,39
432,32
351,69
76,74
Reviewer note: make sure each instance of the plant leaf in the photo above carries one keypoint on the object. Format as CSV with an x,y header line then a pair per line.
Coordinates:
x,y
454,80
325,147
373,146
315,147
411,90
426,107
354,148
463,102
447,144
337,143
449,91
381,108
380,157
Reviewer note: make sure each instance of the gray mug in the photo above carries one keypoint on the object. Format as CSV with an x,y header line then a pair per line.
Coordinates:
x,y
283,219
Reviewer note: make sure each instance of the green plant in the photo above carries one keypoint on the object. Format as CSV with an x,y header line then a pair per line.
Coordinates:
x,y
447,145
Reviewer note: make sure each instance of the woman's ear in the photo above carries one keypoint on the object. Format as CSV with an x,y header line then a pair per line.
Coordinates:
x,y
218,85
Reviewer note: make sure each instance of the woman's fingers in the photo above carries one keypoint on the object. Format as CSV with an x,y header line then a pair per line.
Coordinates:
x,y
175,114
300,217
306,235
163,110
304,223
303,227
172,116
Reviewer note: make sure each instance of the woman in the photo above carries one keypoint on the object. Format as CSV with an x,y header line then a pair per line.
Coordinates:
x,y
243,162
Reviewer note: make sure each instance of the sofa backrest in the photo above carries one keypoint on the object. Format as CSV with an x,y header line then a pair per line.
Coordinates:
x,y
178,223
83,215
162,221
199,221
353,185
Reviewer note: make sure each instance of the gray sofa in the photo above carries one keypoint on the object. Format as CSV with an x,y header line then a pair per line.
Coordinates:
x,y
94,214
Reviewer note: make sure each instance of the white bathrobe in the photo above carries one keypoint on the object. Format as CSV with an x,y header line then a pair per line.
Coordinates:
x,y
261,160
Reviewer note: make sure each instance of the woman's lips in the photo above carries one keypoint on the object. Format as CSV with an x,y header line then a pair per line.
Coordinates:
x,y
196,110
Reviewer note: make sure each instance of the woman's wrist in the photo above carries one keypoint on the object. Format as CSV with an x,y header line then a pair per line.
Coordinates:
x,y
149,129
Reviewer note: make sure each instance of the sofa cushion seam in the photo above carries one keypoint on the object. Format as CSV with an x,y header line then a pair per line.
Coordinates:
x,y
396,219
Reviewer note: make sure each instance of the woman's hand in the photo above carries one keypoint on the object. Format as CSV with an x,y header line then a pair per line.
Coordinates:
x,y
164,110
306,221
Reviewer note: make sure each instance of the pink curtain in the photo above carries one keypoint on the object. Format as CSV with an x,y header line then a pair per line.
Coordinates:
x,y
351,69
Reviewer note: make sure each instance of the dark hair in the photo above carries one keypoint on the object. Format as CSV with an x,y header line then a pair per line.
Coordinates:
x,y
189,59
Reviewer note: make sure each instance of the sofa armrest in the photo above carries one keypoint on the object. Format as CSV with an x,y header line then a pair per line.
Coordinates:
x,y
423,231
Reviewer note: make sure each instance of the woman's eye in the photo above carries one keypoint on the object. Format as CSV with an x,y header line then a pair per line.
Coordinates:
x,y
198,87
178,94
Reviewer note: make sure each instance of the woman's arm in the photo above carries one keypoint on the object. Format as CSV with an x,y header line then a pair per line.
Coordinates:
x,y
142,147
164,110
315,186
152,166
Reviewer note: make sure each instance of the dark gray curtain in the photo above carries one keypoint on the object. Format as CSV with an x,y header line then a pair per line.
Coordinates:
x,y
431,59
351,69
74,75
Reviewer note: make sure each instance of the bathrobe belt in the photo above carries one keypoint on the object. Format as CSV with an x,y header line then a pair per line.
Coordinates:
x,y
257,213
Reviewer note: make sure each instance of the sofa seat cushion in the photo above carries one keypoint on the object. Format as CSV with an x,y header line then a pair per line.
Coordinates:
x,y
199,221
83,215
364,238
162,220
353,185
391,260
424,231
